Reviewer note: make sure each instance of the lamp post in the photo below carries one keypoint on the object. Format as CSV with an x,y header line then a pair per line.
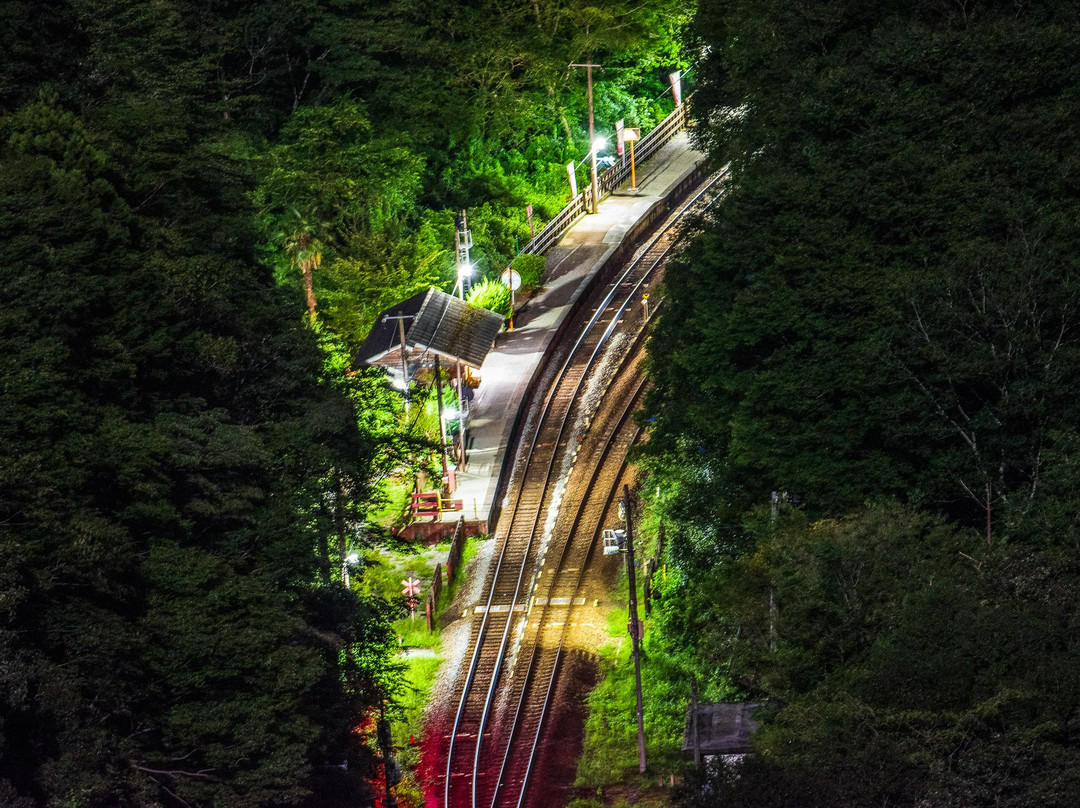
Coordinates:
x,y
401,318
631,136
463,237
592,130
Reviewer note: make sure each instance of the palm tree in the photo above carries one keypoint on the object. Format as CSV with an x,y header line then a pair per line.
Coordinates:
x,y
305,249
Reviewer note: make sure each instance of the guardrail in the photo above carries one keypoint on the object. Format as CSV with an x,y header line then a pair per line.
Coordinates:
x,y
551,232
607,182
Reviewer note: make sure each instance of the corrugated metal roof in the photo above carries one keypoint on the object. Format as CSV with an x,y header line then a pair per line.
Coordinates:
x,y
437,323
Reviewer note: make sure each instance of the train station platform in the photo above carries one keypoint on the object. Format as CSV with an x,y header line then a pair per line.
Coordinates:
x,y
588,250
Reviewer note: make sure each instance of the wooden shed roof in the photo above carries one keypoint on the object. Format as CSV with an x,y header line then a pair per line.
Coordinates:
x,y
435,324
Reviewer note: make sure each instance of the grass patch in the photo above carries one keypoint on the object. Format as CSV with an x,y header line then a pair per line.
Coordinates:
x,y
381,576
414,633
384,572
610,754
395,492
420,673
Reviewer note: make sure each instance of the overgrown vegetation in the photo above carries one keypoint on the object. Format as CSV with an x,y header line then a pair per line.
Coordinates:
x,y
863,409
204,206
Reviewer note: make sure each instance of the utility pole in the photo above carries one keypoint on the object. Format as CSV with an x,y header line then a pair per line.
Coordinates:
x,y
635,629
463,242
442,421
592,131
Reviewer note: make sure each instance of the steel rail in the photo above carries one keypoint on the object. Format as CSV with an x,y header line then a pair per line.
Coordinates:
x,y
551,396
610,444
585,503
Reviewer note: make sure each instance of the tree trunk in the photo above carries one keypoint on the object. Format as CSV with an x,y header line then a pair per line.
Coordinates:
x,y
309,287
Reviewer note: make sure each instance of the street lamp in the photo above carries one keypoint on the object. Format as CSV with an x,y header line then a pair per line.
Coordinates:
x,y
462,242
404,386
464,271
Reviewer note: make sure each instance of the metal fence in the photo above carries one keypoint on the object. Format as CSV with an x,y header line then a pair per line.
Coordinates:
x,y
607,182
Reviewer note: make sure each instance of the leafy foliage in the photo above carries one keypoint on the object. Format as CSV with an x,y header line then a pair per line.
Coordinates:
x,y
492,295
879,322
171,633
184,461
890,324
531,269
464,107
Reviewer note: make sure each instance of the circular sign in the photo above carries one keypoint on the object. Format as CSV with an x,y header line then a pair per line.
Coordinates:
x,y
512,279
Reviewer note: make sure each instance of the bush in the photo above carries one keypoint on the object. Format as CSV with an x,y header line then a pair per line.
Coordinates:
x,y
531,268
492,295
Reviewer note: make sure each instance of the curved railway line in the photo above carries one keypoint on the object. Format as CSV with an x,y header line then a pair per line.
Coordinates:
x,y
546,539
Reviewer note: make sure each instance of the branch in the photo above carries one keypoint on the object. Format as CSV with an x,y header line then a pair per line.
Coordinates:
x,y
199,775
176,796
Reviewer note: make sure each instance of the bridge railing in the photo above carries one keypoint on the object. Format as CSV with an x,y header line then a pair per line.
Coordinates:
x,y
607,182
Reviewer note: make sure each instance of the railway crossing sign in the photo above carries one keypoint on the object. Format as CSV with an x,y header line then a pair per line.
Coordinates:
x,y
410,588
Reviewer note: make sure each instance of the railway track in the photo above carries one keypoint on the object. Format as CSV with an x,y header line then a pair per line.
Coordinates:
x,y
547,535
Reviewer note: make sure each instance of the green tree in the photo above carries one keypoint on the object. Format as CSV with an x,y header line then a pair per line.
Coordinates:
x,y
165,441
882,306
874,294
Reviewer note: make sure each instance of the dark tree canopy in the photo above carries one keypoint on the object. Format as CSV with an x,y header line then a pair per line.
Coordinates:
x,y
185,458
880,320
169,430
885,302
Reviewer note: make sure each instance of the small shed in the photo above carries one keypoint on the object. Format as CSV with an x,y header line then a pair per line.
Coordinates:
x,y
431,325
719,728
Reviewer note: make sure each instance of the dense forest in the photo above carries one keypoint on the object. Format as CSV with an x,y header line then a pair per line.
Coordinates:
x,y
203,206
870,487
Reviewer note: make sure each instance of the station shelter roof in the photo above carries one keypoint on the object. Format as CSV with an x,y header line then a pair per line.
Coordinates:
x,y
435,324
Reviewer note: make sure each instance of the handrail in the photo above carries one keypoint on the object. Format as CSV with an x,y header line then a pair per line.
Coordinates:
x,y
607,182
643,150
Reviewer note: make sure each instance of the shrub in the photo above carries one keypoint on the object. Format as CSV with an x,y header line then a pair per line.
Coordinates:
x,y
531,269
492,295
